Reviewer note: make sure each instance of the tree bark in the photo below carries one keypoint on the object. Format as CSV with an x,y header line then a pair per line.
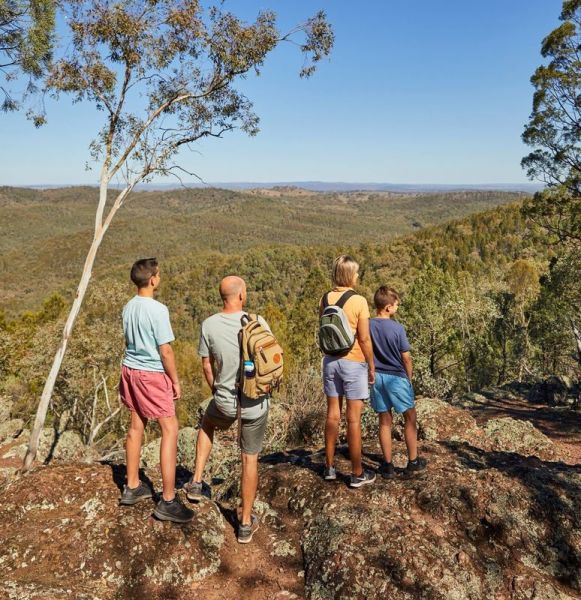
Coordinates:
x,y
577,335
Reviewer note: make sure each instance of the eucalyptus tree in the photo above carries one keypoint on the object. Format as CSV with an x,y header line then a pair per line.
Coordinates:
x,y
26,38
554,129
554,133
164,75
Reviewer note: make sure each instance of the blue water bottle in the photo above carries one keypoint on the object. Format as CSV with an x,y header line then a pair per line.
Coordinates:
x,y
249,370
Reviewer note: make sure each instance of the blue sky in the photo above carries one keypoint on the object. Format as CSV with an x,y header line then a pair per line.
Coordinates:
x,y
414,92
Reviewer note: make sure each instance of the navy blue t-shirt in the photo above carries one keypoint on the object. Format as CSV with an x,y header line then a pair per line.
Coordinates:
x,y
389,341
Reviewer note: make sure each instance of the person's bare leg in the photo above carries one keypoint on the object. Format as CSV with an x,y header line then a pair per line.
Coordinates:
x,y
385,421
354,408
167,455
203,448
133,448
411,433
249,485
334,404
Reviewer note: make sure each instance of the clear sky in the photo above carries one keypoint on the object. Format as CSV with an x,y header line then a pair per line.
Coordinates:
x,y
414,92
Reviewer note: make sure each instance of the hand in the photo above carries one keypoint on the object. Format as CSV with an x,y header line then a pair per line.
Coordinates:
x,y
371,376
177,390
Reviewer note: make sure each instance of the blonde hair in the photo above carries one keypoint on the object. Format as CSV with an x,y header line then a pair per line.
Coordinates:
x,y
344,271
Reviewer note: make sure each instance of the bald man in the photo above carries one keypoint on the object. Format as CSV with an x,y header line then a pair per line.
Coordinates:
x,y
220,352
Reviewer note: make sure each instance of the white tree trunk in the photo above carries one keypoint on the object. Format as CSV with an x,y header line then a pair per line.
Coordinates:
x,y
60,353
100,229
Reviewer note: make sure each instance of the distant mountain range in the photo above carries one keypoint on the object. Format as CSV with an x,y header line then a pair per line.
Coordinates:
x,y
340,186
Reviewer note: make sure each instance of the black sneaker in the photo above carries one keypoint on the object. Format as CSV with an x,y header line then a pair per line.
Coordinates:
x,y
194,489
414,466
245,532
173,511
366,477
330,474
387,470
134,495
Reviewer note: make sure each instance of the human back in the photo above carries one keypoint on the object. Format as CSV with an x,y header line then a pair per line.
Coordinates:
x,y
146,326
389,341
355,308
219,339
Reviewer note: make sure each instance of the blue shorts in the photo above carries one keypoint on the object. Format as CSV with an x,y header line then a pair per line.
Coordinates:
x,y
342,377
391,391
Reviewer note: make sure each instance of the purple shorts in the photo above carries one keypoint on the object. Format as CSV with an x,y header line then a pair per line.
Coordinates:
x,y
148,393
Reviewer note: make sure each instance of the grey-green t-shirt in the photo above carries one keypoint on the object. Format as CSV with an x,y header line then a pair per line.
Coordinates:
x,y
219,340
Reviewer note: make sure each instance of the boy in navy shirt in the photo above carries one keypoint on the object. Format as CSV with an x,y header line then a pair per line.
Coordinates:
x,y
393,376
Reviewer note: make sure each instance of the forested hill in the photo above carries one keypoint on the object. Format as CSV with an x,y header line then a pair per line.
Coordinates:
x,y
45,233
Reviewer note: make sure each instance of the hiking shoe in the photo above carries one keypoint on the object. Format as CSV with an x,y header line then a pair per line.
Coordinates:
x,y
173,511
194,490
245,532
414,467
134,495
387,470
366,477
330,474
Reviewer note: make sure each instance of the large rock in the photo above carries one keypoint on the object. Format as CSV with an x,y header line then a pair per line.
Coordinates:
x,y
10,429
439,420
554,391
512,435
186,449
5,409
67,446
64,535
478,525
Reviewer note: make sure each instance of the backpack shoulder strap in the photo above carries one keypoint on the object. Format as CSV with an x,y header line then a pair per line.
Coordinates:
x,y
325,300
246,318
348,294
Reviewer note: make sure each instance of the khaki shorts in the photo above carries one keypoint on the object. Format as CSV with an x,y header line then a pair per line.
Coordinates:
x,y
253,430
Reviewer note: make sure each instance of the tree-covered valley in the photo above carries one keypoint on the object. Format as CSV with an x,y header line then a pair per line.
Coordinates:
x,y
487,298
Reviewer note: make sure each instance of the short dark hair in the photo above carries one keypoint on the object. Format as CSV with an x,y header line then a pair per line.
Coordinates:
x,y
143,270
385,295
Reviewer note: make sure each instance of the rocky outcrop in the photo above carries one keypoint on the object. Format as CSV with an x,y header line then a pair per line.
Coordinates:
x,y
512,435
5,409
186,449
440,421
65,446
494,516
478,525
64,535
10,429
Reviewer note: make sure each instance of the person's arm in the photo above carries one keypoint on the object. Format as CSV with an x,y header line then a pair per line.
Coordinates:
x,y
208,371
169,364
364,340
406,358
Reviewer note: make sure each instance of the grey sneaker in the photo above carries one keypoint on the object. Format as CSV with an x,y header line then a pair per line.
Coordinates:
x,y
330,474
387,470
414,467
366,477
194,489
245,532
132,496
173,511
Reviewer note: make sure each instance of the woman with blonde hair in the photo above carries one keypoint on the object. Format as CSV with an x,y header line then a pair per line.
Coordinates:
x,y
348,367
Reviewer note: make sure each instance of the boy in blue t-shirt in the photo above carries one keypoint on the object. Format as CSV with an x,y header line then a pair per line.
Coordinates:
x,y
393,376
149,387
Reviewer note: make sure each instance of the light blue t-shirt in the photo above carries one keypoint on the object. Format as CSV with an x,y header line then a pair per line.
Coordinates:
x,y
146,326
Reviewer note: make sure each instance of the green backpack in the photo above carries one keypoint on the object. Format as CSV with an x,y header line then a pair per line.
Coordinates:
x,y
335,334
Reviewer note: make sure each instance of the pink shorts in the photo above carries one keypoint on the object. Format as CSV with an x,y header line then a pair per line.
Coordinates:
x,y
148,393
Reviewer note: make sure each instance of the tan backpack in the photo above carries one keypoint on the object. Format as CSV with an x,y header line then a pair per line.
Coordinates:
x,y
259,347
